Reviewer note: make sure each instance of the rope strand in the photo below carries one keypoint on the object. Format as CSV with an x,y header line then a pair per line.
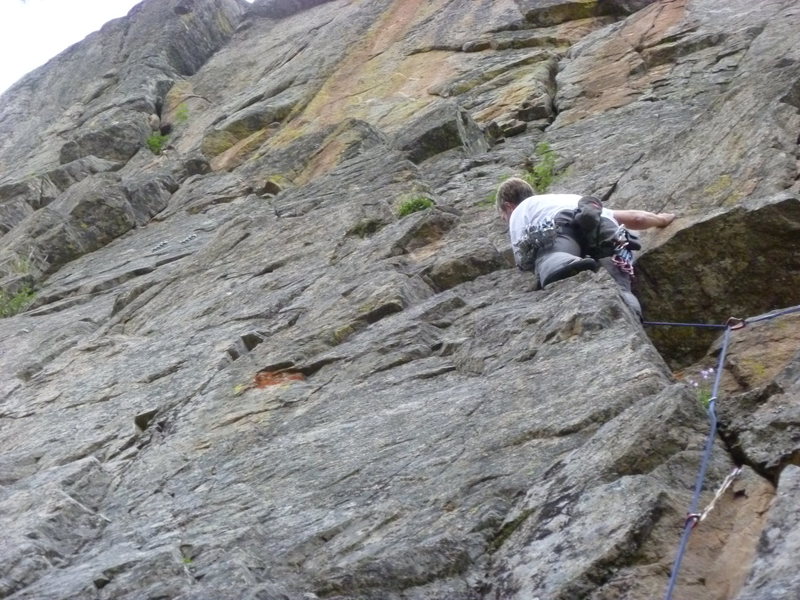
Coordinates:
x,y
693,517
701,475
774,314
714,325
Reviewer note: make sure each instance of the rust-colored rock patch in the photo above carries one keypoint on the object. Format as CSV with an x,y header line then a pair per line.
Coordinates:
x,y
618,71
267,378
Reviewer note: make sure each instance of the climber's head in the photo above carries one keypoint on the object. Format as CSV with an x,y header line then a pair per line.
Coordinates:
x,y
510,193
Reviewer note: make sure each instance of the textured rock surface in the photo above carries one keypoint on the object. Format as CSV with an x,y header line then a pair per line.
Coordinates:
x,y
245,376
758,270
773,578
277,9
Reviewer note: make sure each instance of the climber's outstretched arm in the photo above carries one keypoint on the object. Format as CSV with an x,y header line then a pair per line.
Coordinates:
x,y
642,219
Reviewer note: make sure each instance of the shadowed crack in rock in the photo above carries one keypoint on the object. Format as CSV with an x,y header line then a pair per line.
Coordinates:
x,y
740,262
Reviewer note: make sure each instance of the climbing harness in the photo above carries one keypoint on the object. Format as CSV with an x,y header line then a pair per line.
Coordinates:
x,y
535,238
694,517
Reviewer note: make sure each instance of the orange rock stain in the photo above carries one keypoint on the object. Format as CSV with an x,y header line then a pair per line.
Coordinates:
x,y
620,73
375,82
267,378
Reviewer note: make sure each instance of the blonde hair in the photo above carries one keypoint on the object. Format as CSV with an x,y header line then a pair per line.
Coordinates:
x,y
513,190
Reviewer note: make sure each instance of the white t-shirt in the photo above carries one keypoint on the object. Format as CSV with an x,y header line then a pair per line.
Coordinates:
x,y
537,209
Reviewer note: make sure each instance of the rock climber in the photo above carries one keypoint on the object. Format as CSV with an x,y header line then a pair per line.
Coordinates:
x,y
560,235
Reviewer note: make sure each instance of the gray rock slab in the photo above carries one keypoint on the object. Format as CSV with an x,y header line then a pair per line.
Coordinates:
x,y
267,384
276,10
774,575
740,282
442,128
109,84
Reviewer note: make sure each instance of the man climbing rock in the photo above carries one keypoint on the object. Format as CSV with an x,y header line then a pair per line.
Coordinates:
x,y
560,235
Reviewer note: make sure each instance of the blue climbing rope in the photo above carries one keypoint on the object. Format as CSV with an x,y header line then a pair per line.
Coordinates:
x,y
774,314
733,322
714,325
693,517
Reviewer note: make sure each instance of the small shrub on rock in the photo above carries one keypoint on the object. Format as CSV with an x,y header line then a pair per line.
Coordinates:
x,y
540,177
412,205
156,142
543,173
10,305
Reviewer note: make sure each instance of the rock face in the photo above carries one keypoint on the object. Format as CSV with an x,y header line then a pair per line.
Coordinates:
x,y
237,372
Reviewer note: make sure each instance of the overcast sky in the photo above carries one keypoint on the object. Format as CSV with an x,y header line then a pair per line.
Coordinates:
x,y
34,31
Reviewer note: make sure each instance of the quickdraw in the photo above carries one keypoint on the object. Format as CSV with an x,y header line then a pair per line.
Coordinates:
x,y
623,257
694,519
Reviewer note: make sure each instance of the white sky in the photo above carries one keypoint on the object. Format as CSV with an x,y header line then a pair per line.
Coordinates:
x,y
34,31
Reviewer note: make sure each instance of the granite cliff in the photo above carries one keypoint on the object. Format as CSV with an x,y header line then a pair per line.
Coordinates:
x,y
231,370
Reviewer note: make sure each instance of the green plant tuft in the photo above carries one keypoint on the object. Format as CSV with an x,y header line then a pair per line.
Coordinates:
x,y
543,173
540,177
11,305
702,387
412,205
156,142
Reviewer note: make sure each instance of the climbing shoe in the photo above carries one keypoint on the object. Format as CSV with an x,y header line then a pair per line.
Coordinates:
x,y
570,269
